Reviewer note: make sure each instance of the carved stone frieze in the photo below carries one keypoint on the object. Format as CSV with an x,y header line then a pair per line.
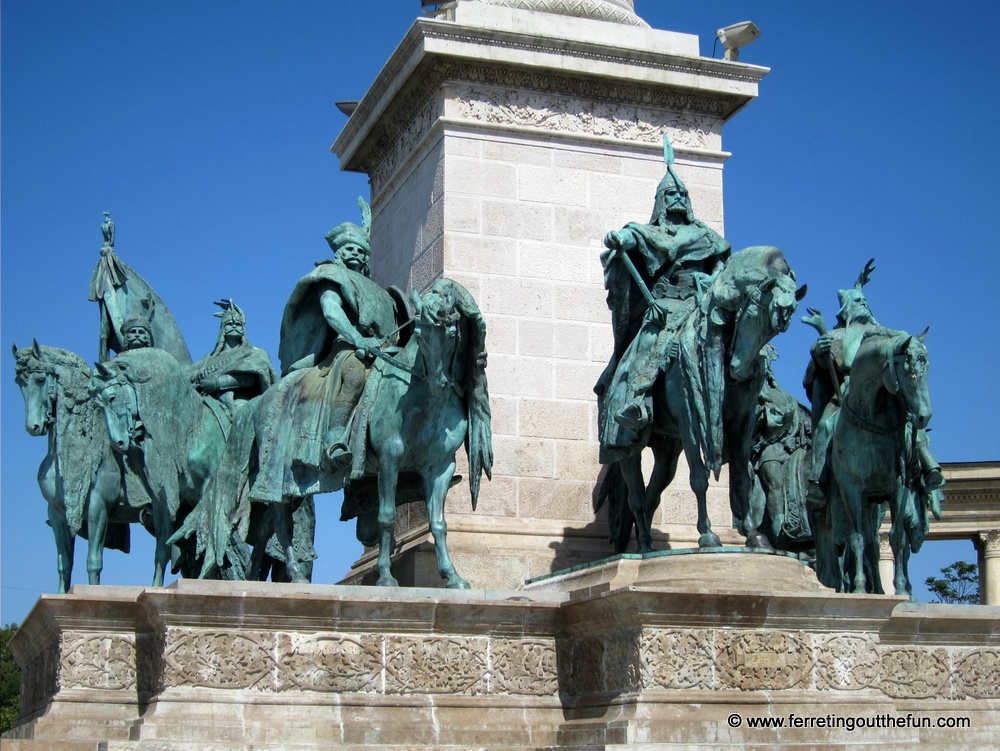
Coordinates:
x,y
623,661
588,666
436,665
977,675
487,94
911,673
764,660
40,677
587,116
98,661
149,651
847,663
242,660
678,658
330,662
524,667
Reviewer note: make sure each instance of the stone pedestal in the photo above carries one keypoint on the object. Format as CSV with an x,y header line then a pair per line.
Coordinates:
x,y
661,651
502,146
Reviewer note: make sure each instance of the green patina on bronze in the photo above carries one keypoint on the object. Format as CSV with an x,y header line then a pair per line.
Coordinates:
x,y
689,321
870,409
80,476
376,393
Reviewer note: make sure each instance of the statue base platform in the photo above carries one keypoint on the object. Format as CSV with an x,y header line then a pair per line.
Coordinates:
x,y
724,648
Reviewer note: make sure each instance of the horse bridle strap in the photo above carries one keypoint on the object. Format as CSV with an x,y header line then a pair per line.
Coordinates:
x,y
860,422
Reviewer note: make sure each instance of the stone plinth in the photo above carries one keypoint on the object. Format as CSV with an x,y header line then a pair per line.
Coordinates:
x,y
638,655
501,148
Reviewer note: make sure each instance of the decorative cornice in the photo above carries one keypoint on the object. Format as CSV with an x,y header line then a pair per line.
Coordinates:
x,y
543,102
434,50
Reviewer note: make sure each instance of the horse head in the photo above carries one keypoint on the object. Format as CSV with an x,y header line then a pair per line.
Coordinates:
x,y
37,379
905,376
115,393
757,289
437,332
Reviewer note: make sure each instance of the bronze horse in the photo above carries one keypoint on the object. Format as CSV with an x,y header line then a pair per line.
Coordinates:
x,y
754,297
80,477
873,456
428,399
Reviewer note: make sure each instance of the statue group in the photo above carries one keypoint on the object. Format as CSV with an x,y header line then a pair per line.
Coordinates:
x,y
691,372
220,459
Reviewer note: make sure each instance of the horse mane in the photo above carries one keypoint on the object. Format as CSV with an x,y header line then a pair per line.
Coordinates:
x,y
446,301
749,267
72,370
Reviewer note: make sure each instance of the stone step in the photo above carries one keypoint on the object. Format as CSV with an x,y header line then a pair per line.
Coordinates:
x,y
21,744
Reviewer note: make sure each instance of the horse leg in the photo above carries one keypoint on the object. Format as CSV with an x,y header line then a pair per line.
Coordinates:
x,y
699,485
283,529
56,510
900,544
666,452
854,556
631,469
163,528
65,546
435,491
389,456
103,495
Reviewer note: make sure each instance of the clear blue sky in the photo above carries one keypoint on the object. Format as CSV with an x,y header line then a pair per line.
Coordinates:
x,y
204,128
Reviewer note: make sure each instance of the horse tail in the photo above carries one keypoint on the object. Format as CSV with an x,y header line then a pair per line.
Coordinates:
x,y
614,493
479,435
224,507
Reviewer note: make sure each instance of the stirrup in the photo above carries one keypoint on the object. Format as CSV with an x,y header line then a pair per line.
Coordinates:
x,y
338,456
633,416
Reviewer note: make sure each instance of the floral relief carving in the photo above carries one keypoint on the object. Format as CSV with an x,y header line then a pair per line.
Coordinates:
x,y
98,661
679,658
331,662
848,663
909,673
588,117
622,661
764,660
436,665
40,677
219,660
632,111
588,666
976,674
523,667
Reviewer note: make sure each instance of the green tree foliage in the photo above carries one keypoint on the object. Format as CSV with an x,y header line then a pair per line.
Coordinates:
x,y
10,680
960,584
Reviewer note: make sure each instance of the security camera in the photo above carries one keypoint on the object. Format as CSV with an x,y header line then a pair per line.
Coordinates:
x,y
736,36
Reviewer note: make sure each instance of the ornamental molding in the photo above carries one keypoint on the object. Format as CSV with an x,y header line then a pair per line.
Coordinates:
x,y
98,661
542,102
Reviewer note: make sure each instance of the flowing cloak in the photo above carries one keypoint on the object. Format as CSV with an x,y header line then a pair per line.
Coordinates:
x,y
119,292
659,253
242,360
293,421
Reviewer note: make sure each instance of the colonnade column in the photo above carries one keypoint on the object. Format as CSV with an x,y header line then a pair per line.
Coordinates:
x,y
988,547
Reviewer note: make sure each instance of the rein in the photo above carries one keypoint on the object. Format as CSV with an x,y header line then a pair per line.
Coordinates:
x,y
860,422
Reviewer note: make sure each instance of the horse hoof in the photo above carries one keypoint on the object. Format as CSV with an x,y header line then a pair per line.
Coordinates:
x,y
387,581
709,540
757,541
457,582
